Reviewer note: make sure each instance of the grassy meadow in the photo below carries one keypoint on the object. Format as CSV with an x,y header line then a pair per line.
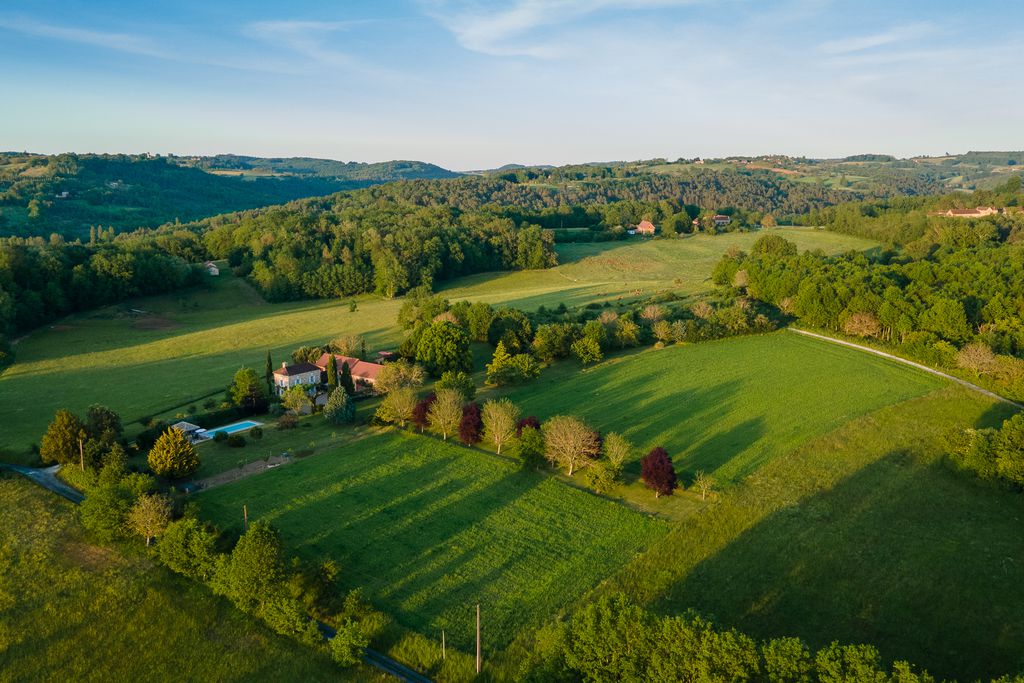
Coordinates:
x,y
74,611
725,407
866,535
429,529
186,347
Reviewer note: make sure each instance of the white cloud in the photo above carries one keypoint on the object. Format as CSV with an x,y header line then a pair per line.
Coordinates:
x,y
130,43
895,36
506,30
314,40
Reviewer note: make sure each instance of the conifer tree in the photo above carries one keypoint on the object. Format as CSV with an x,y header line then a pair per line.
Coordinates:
x,y
332,373
345,381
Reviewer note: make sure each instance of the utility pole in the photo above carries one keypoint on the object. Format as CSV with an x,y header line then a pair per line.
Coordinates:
x,y
81,450
245,516
478,637
442,645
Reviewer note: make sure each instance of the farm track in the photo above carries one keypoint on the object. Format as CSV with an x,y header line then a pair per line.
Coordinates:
x,y
904,361
46,477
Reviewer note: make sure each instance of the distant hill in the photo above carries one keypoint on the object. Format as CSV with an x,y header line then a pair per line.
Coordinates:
x,y
384,171
70,193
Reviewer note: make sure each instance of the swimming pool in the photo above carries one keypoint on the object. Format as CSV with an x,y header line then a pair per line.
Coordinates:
x,y
231,428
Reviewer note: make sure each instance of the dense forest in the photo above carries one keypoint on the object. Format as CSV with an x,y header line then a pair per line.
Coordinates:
x,y
955,301
68,194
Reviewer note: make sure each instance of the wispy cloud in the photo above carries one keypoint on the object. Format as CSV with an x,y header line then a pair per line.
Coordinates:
x,y
314,40
130,43
896,36
504,30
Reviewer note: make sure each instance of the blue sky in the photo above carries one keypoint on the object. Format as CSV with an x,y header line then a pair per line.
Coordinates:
x,y
472,84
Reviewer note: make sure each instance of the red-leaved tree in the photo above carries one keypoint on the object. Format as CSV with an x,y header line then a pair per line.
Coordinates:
x,y
530,421
471,424
657,472
420,412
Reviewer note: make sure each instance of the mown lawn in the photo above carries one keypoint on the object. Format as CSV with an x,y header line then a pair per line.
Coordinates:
x,y
430,529
186,347
74,611
862,535
725,407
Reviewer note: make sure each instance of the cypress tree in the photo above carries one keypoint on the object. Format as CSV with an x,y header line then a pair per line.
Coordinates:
x,y
269,375
345,381
332,373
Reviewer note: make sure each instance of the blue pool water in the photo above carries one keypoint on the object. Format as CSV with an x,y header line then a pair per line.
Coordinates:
x,y
232,428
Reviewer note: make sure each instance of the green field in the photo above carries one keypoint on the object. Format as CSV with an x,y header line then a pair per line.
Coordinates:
x,y
861,535
604,271
725,407
186,347
429,529
74,611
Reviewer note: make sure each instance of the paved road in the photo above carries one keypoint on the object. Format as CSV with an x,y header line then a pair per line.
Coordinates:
x,y
47,478
919,366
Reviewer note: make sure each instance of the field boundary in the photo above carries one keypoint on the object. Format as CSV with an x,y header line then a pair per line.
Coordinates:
x,y
904,361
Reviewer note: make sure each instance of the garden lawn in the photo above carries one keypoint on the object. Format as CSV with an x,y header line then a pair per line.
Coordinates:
x,y
430,529
74,611
725,407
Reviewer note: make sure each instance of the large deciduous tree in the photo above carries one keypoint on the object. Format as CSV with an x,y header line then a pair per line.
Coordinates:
x,y
399,374
445,412
499,418
173,455
444,346
253,571
296,399
150,516
657,472
397,407
471,424
569,443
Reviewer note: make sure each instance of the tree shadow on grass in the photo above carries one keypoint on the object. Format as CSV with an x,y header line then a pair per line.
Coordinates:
x,y
923,562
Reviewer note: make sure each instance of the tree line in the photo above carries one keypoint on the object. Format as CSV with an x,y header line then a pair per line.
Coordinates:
x,y
957,307
613,639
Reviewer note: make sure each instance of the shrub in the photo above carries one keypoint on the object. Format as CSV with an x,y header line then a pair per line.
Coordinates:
x,y
287,422
236,440
256,433
220,437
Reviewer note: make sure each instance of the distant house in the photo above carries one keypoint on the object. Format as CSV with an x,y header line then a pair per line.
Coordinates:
x,y
300,374
646,228
62,195
979,212
192,432
363,372
386,356
721,219
211,268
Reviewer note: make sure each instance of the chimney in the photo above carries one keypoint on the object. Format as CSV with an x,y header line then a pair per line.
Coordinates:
x,y
283,365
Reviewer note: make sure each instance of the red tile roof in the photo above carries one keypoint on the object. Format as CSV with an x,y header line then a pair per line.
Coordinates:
x,y
360,369
645,226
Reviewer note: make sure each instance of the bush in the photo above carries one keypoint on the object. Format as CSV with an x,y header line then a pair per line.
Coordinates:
x,y
236,440
220,437
256,433
287,422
